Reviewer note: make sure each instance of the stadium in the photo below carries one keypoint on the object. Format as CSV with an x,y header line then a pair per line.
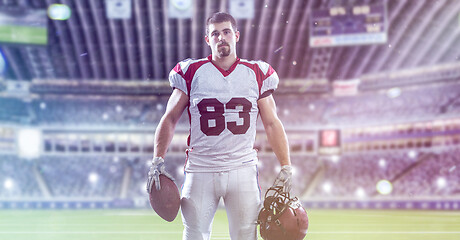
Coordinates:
x,y
369,97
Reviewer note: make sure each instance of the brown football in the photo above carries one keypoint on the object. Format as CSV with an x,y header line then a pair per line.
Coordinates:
x,y
166,201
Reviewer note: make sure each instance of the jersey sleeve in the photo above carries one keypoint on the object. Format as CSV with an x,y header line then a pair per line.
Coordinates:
x,y
177,76
271,79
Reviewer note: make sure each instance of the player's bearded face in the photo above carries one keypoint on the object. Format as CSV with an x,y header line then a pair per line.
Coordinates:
x,y
223,49
222,39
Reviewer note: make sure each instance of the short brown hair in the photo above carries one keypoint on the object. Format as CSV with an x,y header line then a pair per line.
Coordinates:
x,y
220,17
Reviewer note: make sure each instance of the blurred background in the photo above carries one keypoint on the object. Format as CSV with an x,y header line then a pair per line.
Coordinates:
x,y
369,97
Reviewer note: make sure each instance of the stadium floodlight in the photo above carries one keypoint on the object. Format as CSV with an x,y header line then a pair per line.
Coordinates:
x,y
327,187
360,193
382,163
8,184
159,106
29,143
412,154
93,177
142,189
384,187
286,112
394,92
441,182
180,170
59,12
335,158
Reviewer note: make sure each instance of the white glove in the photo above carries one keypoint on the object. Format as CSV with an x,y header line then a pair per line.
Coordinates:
x,y
156,169
284,178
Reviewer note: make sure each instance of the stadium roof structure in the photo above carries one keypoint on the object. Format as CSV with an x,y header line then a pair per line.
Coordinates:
x,y
144,47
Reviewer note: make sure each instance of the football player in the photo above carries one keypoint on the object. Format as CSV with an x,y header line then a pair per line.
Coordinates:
x,y
223,96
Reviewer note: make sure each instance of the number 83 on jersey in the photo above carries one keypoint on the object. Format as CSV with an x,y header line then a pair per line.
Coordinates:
x,y
212,110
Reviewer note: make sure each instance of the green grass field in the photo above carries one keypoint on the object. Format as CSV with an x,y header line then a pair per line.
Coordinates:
x,y
143,224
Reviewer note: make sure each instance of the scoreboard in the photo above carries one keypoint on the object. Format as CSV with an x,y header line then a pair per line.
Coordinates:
x,y
329,142
23,26
342,26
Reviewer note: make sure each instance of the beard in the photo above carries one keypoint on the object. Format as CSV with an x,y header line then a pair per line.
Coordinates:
x,y
223,50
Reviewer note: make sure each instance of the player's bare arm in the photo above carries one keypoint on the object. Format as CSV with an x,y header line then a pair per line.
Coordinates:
x,y
163,136
274,129
277,139
164,133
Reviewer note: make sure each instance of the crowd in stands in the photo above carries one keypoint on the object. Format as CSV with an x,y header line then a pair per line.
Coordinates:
x,y
411,175
13,110
383,107
437,175
17,178
372,108
351,176
106,112
86,177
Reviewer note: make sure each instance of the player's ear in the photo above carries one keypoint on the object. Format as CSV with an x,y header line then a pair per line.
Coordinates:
x,y
237,35
206,38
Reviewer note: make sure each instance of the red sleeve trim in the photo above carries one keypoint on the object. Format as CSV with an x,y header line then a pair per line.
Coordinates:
x,y
260,76
190,73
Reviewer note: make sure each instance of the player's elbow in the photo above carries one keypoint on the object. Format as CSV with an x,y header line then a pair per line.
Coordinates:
x,y
274,125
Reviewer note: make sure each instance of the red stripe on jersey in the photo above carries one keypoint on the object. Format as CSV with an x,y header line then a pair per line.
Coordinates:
x,y
225,72
188,75
260,76
190,122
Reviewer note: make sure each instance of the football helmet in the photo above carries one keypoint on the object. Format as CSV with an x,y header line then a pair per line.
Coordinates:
x,y
282,217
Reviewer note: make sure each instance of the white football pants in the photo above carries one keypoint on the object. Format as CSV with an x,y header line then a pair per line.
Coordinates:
x,y
202,192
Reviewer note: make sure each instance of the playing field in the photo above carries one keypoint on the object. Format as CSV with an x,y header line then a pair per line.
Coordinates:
x,y
143,224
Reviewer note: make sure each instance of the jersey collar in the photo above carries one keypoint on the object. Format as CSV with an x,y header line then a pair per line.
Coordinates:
x,y
225,72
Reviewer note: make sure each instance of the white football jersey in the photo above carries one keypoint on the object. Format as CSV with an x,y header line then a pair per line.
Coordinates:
x,y
222,110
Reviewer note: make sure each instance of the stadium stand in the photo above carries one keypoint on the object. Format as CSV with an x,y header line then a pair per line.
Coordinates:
x,y
17,178
14,110
378,132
